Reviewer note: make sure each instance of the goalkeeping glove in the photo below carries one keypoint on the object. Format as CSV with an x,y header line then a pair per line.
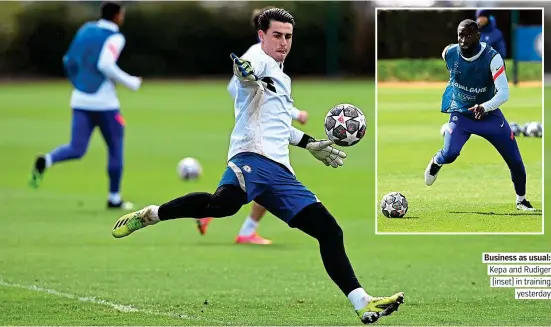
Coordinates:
x,y
243,69
324,152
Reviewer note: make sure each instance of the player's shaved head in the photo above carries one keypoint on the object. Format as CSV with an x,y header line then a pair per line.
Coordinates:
x,y
468,37
275,31
468,23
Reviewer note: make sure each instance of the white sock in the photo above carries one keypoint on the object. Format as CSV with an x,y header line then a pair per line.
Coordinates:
x,y
115,197
359,298
249,226
48,158
155,213
520,198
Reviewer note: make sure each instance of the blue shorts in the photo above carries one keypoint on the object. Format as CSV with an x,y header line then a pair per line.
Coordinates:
x,y
269,184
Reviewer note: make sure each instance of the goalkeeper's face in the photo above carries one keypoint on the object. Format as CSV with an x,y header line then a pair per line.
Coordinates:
x,y
277,40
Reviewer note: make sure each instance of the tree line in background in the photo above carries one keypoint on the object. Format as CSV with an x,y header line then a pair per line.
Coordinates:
x,y
424,34
192,39
185,39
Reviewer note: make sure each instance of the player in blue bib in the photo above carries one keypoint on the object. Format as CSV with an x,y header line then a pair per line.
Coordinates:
x,y
477,88
91,67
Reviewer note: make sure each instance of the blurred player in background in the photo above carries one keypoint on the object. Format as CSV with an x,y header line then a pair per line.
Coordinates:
x,y
259,166
91,66
477,88
247,233
489,33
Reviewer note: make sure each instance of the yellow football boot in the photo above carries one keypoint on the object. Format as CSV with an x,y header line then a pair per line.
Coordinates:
x,y
133,221
380,306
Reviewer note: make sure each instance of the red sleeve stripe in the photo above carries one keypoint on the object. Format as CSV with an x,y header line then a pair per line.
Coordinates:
x,y
113,50
499,72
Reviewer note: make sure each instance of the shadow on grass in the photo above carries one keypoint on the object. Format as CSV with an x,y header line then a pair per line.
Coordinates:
x,y
491,213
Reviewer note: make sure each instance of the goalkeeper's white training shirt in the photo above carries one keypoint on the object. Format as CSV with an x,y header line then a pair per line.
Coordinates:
x,y
233,85
263,111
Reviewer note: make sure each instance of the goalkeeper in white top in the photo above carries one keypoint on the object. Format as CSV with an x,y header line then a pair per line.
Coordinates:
x,y
259,168
247,232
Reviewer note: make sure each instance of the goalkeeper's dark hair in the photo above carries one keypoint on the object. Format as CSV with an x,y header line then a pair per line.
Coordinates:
x,y
256,14
109,10
274,14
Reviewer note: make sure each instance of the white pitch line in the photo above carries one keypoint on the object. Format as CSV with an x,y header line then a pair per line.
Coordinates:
x,y
95,300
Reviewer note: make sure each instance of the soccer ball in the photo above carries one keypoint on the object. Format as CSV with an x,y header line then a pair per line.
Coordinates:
x,y
189,168
525,129
534,129
394,205
515,128
443,129
345,124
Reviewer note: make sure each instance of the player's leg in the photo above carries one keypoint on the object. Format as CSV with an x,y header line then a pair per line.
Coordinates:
x,y
292,202
82,126
203,224
455,137
247,233
226,201
316,221
497,131
111,124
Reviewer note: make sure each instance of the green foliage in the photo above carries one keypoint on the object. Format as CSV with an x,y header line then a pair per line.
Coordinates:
x,y
428,70
177,38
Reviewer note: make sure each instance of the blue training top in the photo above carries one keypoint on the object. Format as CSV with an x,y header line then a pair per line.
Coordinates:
x,y
470,83
81,59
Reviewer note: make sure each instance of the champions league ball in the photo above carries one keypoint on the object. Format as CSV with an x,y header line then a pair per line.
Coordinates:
x,y
345,124
189,168
534,129
524,129
394,205
515,128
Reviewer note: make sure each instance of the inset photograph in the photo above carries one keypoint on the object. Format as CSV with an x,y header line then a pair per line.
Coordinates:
x,y
459,121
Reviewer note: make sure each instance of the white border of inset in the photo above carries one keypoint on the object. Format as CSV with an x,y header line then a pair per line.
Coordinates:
x,y
377,9
542,123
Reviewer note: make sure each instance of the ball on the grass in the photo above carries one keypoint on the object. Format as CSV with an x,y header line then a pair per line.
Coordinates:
x,y
189,168
394,205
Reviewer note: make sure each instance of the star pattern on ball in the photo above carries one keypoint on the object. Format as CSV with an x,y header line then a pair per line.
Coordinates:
x,y
352,138
398,197
388,207
342,119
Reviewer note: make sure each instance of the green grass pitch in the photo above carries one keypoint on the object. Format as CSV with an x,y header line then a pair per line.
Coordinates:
x,y
59,264
472,195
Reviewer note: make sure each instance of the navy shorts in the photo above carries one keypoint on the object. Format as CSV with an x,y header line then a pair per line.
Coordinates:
x,y
269,184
